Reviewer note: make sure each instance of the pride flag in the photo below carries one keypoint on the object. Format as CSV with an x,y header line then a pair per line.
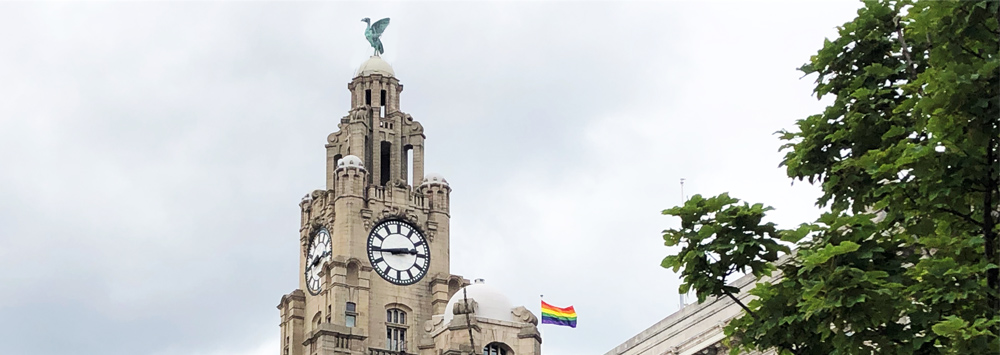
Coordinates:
x,y
558,316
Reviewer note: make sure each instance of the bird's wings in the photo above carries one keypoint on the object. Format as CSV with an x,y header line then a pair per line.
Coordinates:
x,y
380,26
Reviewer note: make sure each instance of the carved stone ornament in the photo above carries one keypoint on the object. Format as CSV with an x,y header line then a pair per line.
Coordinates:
x,y
411,216
433,323
462,308
359,114
389,212
524,315
366,215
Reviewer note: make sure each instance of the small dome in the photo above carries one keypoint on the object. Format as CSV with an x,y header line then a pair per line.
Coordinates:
x,y
492,303
375,65
350,161
434,178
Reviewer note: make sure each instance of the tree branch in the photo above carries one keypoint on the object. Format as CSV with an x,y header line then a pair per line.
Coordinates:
x,y
967,50
905,49
745,308
966,217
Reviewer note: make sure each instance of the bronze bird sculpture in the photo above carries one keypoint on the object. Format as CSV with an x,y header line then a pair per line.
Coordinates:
x,y
374,31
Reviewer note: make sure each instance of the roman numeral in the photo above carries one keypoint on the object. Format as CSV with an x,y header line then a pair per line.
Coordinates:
x,y
399,275
377,260
409,275
417,266
418,243
387,232
399,229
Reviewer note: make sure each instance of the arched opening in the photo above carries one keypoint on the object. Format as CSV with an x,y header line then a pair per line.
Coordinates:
x,y
381,103
385,171
453,287
368,97
408,164
352,273
497,348
336,160
318,319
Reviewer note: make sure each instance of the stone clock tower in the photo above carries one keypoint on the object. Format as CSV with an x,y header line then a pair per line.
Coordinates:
x,y
374,274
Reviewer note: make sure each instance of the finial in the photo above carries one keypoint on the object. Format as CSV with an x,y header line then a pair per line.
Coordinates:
x,y
374,31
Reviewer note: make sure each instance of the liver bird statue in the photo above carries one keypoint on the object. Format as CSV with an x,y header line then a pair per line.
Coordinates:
x,y
374,31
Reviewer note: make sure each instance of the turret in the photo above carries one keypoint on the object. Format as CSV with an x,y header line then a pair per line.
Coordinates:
x,y
350,177
437,191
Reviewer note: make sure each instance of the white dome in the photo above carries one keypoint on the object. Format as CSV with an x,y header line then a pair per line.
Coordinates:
x,y
350,161
434,178
375,65
492,303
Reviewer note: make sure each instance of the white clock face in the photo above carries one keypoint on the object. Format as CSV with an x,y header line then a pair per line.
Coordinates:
x,y
319,252
398,252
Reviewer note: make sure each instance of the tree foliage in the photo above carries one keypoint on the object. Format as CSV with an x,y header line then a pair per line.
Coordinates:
x,y
906,260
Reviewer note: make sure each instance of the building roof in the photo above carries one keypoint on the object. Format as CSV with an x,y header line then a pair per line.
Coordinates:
x,y
492,303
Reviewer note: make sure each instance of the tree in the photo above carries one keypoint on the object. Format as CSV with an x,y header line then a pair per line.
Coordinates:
x,y
906,259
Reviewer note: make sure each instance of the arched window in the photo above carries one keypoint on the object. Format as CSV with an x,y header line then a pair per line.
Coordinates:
x,y
318,319
497,349
394,333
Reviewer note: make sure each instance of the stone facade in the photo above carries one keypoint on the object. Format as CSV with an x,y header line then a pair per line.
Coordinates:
x,y
369,180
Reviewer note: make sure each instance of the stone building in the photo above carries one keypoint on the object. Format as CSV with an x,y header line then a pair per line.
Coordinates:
x,y
374,274
697,328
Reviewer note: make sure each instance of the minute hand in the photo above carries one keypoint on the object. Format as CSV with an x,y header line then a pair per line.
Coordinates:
x,y
396,250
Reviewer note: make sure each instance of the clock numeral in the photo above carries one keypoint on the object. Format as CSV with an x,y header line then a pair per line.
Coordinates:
x,y
399,275
417,266
409,275
399,228
376,261
387,232
418,243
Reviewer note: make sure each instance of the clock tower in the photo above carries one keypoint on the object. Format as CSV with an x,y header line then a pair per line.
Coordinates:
x,y
374,274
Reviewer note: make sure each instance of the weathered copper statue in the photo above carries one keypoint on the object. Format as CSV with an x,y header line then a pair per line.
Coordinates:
x,y
374,31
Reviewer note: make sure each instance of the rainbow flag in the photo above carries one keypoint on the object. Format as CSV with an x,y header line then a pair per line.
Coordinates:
x,y
558,316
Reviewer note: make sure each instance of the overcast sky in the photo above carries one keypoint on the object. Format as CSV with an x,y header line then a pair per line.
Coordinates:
x,y
152,155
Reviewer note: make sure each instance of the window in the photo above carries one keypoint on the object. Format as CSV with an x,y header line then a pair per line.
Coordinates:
x,y
395,331
329,312
395,315
350,314
497,349
368,97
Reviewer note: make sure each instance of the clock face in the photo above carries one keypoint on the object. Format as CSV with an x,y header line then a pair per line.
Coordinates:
x,y
398,252
319,252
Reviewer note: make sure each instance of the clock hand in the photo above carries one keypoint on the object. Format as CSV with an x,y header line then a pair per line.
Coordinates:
x,y
393,251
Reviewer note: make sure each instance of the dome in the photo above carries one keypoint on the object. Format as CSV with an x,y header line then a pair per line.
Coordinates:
x,y
434,178
375,65
492,303
350,161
